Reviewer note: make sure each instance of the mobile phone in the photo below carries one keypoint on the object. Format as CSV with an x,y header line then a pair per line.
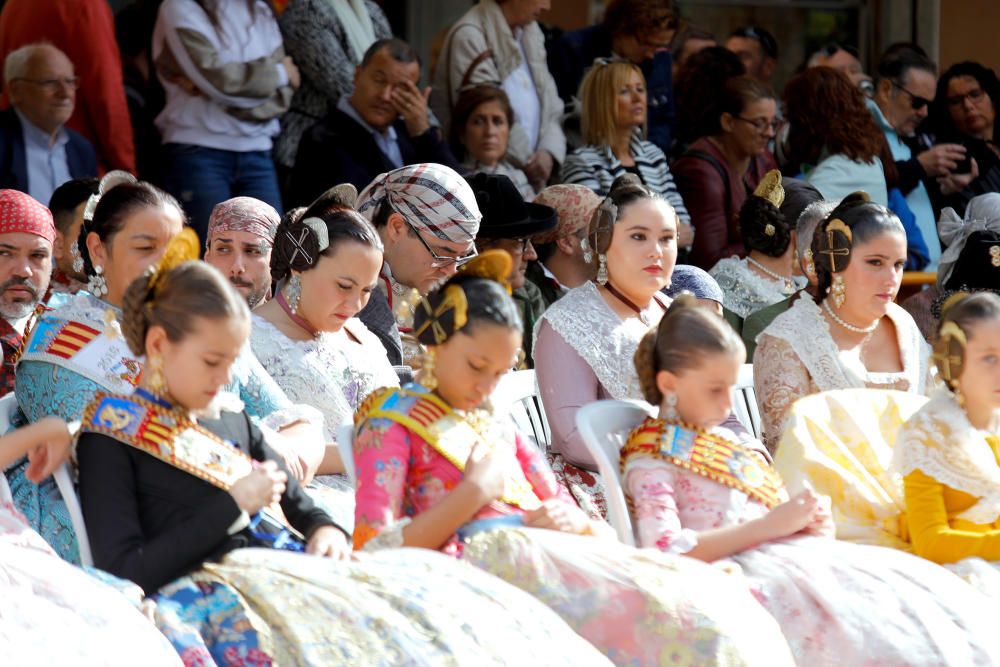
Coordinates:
x,y
963,166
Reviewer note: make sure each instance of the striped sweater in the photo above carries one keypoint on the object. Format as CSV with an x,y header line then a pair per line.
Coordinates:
x,y
597,167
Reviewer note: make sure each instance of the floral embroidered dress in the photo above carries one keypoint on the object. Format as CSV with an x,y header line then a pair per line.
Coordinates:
x,y
637,607
837,603
951,486
53,613
745,291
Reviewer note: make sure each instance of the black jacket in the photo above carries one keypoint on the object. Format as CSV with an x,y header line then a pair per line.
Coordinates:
x,y
80,157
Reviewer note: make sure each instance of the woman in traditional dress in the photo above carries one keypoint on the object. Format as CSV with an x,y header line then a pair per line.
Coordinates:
x,y
175,486
435,470
42,594
697,491
948,451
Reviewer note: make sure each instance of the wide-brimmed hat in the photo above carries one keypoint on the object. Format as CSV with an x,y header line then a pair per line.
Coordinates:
x,y
505,213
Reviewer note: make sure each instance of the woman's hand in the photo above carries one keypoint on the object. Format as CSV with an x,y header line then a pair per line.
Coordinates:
x,y
484,472
52,448
285,448
539,168
792,516
558,515
328,542
260,488
294,78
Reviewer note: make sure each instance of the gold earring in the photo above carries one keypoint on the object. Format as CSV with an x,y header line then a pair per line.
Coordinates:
x,y
838,291
157,383
427,377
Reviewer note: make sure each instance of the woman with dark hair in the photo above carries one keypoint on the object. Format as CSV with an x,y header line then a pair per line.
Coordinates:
x,y
480,128
768,273
964,112
832,138
437,471
725,164
227,81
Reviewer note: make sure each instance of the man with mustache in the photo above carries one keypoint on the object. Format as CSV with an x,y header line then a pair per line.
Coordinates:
x,y
240,236
27,233
382,125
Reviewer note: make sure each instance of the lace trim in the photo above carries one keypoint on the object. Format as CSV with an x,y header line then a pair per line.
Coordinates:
x,y
745,290
390,537
605,341
940,442
821,357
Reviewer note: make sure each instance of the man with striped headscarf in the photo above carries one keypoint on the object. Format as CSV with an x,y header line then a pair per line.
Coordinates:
x,y
427,218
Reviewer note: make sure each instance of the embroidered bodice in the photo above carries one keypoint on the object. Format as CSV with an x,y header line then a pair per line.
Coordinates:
x,y
746,291
332,373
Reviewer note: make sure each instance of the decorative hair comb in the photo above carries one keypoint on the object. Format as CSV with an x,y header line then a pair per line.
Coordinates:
x,y
110,180
182,248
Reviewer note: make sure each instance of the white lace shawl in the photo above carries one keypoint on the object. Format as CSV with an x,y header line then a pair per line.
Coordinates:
x,y
745,291
940,442
605,341
807,332
327,373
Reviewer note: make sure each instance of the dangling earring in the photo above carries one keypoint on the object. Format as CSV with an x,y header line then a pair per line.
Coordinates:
x,y
670,407
293,292
588,255
427,377
957,392
602,269
97,285
838,291
808,265
157,385
74,251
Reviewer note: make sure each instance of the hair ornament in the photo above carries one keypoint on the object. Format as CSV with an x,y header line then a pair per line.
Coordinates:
x,y
770,189
110,180
835,242
308,239
182,248
949,352
444,319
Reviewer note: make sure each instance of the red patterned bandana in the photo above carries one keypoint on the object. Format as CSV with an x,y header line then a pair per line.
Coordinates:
x,y
21,213
244,214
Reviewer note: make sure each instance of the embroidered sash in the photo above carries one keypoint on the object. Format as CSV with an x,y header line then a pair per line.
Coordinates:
x,y
168,436
450,434
718,459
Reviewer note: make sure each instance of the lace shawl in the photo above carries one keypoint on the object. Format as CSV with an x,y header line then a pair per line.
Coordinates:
x,y
940,442
605,341
745,290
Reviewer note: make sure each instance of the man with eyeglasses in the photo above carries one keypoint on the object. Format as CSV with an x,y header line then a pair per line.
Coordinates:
x,y
37,152
427,218
904,87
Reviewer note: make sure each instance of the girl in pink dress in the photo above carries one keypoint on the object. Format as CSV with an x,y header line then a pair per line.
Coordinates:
x,y
697,491
435,470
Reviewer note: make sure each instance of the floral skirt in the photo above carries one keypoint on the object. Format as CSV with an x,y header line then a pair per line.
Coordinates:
x,y
395,607
639,607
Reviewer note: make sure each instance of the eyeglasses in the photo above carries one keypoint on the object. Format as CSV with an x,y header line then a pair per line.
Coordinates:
x,y
441,261
976,95
52,85
761,124
916,102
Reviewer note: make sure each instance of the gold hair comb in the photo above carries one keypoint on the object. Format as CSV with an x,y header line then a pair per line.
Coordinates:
x,y
182,248
770,188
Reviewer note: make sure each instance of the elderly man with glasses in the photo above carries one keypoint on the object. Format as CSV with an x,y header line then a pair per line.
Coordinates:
x,y
428,219
37,152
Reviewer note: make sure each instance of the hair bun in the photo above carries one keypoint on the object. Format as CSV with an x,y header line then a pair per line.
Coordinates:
x,y
832,244
625,180
682,301
763,226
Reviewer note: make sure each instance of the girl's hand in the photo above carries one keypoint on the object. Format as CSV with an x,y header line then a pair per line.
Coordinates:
x,y
558,515
328,542
52,450
484,472
260,488
792,516
822,524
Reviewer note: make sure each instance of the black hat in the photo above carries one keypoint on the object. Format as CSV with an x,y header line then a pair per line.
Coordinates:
x,y
505,213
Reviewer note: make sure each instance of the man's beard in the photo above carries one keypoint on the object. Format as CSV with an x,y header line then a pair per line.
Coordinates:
x,y
254,297
15,310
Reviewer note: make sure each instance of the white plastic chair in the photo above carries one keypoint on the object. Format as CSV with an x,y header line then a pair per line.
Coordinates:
x,y
517,396
63,480
345,443
745,401
604,426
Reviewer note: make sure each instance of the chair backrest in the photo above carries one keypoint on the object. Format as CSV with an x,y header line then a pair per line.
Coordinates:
x,y
345,443
604,426
745,402
517,396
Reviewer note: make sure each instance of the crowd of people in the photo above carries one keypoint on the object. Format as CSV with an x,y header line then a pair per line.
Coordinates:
x,y
258,287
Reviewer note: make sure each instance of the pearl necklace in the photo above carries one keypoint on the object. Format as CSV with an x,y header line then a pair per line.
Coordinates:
x,y
849,327
789,284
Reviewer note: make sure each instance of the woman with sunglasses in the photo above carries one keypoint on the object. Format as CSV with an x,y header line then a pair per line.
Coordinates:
x,y
964,112
719,170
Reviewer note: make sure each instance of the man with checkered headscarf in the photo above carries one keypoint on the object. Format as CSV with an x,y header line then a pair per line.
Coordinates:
x,y
27,233
427,218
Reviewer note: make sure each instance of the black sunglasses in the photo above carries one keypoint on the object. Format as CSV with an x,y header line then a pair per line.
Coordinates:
x,y
916,102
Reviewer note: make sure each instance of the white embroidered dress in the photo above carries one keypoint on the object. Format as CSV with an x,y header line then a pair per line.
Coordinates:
x,y
745,291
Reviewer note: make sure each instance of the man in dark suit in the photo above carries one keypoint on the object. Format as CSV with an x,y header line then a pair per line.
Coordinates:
x,y
37,152
383,125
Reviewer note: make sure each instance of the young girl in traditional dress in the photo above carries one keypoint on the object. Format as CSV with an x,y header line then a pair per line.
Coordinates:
x,y
696,491
178,488
435,470
948,451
